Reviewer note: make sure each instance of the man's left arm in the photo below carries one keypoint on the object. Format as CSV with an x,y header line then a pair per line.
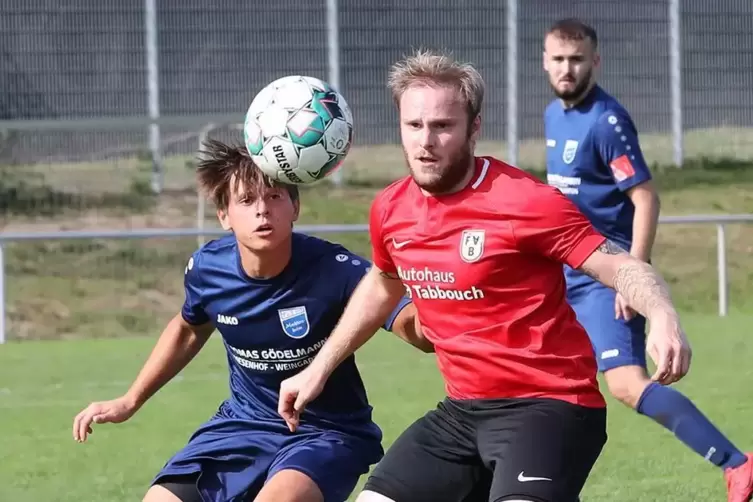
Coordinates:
x,y
647,292
556,229
643,287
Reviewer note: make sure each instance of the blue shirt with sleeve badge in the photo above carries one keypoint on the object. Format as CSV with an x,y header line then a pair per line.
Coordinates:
x,y
273,328
593,156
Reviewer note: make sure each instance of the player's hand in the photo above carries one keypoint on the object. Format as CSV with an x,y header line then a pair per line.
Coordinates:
x,y
296,392
669,348
114,411
621,308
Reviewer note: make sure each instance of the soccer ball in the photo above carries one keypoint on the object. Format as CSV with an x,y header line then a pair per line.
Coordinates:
x,y
298,129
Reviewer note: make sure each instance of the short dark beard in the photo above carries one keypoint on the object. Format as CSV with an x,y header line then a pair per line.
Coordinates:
x,y
456,170
578,91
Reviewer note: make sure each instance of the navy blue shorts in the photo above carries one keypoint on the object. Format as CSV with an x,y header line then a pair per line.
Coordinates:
x,y
233,457
616,342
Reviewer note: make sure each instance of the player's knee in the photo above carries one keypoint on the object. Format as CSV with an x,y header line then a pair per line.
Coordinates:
x,y
159,493
627,383
369,496
290,485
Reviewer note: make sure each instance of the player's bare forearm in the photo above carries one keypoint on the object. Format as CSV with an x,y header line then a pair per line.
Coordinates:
x,y
637,281
374,298
645,220
644,289
177,346
407,327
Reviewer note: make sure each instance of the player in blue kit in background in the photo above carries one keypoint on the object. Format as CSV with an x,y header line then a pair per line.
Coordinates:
x,y
274,296
594,157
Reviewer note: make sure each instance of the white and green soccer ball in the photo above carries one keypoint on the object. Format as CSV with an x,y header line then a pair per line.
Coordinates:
x,y
298,129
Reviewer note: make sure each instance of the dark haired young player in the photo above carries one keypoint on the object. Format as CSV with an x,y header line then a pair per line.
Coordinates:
x,y
274,296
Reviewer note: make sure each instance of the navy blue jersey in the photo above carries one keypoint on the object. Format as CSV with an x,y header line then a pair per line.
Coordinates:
x,y
593,156
273,328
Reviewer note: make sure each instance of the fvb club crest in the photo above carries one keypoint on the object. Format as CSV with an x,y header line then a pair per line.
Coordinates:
x,y
472,245
295,322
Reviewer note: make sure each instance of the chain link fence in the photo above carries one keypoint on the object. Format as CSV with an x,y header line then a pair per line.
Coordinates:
x,y
89,58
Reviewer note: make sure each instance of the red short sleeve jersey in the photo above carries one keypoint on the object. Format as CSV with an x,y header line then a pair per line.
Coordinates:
x,y
484,269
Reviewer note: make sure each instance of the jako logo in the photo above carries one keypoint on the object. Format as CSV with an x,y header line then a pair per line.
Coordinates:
x,y
227,319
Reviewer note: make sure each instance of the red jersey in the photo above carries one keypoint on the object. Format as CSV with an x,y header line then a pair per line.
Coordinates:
x,y
484,268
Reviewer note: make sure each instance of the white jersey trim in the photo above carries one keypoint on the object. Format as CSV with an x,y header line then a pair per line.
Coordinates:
x,y
481,175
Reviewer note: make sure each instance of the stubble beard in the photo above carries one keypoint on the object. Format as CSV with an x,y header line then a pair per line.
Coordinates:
x,y
578,91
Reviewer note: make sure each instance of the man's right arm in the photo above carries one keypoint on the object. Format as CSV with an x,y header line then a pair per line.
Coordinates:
x,y
176,347
180,341
375,297
371,302
178,344
368,308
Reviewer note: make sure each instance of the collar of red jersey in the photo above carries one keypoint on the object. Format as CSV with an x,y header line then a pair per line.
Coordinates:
x,y
481,175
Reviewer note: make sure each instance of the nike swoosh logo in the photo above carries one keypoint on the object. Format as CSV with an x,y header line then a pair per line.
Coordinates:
x,y
398,245
525,479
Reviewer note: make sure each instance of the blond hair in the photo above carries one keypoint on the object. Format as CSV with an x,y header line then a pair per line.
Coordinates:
x,y
426,67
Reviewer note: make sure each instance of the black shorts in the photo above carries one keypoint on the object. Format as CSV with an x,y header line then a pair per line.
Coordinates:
x,y
493,450
183,486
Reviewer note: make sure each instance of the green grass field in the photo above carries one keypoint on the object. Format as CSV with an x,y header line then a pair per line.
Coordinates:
x,y
82,316
43,384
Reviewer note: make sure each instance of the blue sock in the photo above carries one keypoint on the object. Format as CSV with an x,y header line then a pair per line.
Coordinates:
x,y
678,414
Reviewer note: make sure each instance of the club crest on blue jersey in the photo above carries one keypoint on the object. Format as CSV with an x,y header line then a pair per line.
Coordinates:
x,y
472,245
568,153
295,322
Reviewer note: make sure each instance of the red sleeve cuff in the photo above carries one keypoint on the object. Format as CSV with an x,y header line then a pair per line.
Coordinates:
x,y
584,249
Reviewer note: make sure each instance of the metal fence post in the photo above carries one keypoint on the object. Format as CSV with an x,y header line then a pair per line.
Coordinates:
x,y
512,81
333,63
150,30
721,261
675,57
